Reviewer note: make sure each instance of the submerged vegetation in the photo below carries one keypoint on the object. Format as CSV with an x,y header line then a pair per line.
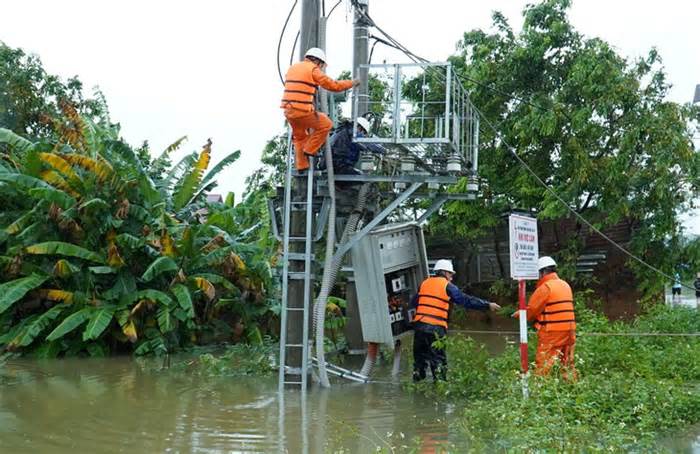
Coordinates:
x,y
631,391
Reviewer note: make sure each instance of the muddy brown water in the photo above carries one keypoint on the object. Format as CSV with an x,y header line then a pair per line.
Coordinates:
x,y
127,405
120,404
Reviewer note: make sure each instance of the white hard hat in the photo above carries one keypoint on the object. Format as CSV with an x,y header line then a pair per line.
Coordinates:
x,y
364,123
444,265
316,53
545,262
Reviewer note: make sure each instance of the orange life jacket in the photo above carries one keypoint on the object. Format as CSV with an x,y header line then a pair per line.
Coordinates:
x,y
300,87
558,313
433,302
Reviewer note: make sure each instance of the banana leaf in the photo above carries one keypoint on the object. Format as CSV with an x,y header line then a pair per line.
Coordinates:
x,y
184,299
53,195
159,266
227,161
70,323
15,141
61,248
29,333
13,291
99,321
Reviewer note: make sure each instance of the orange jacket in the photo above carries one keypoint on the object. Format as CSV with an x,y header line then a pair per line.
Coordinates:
x,y
433,302
551,305
301,82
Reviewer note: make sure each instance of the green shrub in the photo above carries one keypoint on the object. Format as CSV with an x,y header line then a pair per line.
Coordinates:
x,y
631,389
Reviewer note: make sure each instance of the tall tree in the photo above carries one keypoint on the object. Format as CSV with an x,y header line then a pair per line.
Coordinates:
x,y
30,97
595,126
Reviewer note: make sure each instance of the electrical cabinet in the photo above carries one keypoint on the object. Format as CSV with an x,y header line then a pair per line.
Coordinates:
x,y
389,264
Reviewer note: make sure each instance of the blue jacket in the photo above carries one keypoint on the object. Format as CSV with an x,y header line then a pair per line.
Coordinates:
x,y
456,297
346,153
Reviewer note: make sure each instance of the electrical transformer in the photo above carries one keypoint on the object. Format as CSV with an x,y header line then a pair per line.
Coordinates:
x,y
389,264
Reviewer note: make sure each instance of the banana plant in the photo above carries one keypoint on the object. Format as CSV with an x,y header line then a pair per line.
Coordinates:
x,y
103,252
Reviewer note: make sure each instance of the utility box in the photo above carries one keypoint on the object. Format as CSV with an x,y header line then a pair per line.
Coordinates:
x,y
389,264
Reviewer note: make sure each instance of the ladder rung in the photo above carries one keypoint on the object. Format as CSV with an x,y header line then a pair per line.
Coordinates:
x,y
300,275
293,383
297,238
294,345
295,308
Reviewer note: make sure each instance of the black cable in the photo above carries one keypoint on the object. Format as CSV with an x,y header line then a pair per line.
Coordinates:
x,y
371,52
522,162
279,43
294,46
323,8
333,9
481,84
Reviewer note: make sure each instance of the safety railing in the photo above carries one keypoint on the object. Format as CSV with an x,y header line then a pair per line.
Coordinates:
x,y
421,113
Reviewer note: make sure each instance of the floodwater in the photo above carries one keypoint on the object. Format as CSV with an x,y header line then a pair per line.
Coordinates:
x,y
122,404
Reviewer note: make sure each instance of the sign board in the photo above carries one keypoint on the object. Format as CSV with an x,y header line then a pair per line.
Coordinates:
x,y
524,250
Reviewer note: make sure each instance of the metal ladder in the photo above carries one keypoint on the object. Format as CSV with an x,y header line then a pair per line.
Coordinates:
x,y
286,274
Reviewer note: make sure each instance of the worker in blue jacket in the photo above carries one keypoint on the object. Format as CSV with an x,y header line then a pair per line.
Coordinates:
x,y
432,304
346,152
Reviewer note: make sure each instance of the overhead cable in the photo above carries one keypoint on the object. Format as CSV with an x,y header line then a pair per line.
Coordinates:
x,y
279,43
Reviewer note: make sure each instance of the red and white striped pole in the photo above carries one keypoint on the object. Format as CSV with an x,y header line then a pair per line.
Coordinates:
x,y
523,334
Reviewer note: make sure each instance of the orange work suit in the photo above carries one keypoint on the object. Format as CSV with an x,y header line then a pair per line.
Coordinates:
x,y
309,128
551,307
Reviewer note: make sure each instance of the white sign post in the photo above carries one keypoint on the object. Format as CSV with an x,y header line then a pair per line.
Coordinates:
x,y
524,252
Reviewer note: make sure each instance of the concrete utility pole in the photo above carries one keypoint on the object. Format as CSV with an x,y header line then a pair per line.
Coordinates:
x,y
309,37
360,56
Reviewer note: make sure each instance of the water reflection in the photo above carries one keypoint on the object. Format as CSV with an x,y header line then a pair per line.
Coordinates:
x,y
125,405
121,405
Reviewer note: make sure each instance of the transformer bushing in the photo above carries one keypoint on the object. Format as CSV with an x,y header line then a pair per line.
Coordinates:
x,y
408,164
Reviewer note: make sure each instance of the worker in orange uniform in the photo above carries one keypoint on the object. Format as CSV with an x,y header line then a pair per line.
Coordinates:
x,y
298,102
551,307
432,304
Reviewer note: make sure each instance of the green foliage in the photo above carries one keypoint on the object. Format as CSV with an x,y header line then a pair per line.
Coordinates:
x,y
159,266
631,389
99,321
595,126
69,324
146,274
237,360
30,96
32,330
335,321
62,248
13,291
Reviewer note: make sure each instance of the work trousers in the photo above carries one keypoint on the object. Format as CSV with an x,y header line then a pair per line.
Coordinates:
x,y
426,355
309,132
553,346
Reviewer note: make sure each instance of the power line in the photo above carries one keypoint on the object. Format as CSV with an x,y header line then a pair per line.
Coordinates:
x,y
513,151
279,43
417,58
583,333
333,9
296,38
294,46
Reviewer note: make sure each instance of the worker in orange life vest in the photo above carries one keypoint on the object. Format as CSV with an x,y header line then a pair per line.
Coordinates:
x,y
298,101
551,307
432,304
